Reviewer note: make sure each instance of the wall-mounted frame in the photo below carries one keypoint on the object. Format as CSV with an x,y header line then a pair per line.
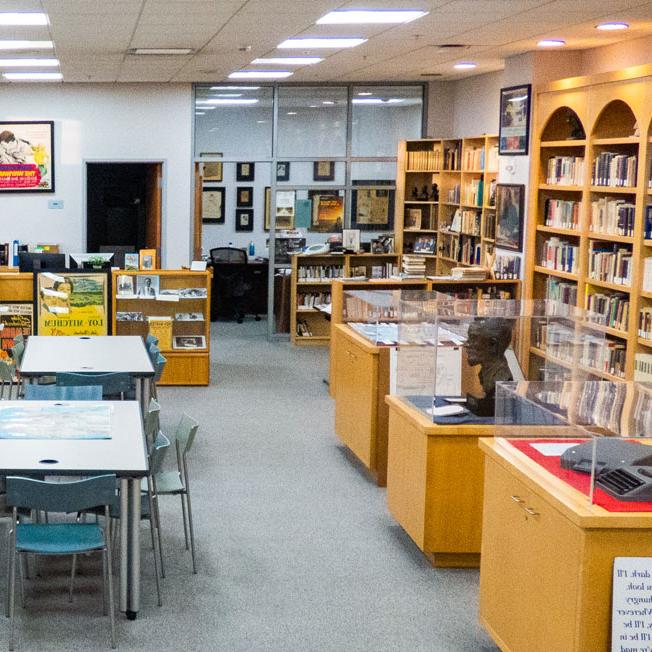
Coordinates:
x,y
510,199
372,209
323,171
244,219
27,156
514,133
147,258
282,170
285,208
244,197
212,171
245,172
212,205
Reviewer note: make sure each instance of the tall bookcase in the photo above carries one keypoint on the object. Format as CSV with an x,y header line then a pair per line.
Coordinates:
x,y
581,229
460,218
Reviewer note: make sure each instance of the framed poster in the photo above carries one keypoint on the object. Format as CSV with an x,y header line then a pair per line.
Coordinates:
x,y
244,219
27,156
514,132
15,319
147,258
327,211
509,215
283,171
72,303
323,171
245,197
285,202
212,171
212,205
372,209
244,172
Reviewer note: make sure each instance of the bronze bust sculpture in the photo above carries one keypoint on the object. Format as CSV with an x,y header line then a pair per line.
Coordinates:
x,y
487,341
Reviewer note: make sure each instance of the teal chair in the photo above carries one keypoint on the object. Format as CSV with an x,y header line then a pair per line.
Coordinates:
x,y
63,393
151,340
9,387
177,483
17,351
47,539
114,385
159,367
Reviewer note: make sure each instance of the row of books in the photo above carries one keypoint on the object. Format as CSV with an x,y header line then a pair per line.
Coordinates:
x,y
645,323
490,225
648,222
562,291
643,368
507,266
647,274
319,272
453,194
466,221
485,292
562,214
614,169
303,329
642,413
311,299
560,255
610,263
383,270
473,158
474,193
614,307
426,161
414,266
613,216
601,404
605,355
453,157
565,171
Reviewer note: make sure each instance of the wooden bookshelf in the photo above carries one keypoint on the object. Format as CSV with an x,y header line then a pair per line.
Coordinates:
x,y
462,171
586,117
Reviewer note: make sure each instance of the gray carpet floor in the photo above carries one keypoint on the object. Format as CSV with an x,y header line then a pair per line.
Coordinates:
x,y
296,550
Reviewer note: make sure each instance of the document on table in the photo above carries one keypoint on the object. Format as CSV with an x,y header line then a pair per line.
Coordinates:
x,y
552,449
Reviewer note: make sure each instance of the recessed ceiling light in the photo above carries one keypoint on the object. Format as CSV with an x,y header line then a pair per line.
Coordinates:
x,y
20,18
363,94
26,45
161,51
292,112
33,76
312,106
551,43
235,88
199,113
370,16
375,100
315,43
328,102
290,61
229,95
261,74
28,63
612,27
465,65
232,101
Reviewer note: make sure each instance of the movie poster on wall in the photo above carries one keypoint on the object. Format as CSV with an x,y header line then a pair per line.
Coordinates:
x,y
72,303
15,319
26,156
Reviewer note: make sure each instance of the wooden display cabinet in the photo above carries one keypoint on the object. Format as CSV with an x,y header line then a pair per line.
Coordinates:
x,y
16,286
184,366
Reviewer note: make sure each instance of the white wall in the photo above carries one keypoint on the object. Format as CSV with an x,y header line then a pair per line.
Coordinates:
x,y
103,122
476,104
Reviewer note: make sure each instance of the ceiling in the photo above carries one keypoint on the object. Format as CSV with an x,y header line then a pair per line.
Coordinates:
x,y
92,37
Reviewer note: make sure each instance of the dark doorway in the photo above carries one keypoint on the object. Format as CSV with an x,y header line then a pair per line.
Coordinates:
x,y
123,205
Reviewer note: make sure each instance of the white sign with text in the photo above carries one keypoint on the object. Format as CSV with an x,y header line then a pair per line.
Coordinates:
x,y
631,612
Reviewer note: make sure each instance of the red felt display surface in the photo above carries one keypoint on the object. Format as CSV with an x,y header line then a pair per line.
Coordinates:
x,y
579,481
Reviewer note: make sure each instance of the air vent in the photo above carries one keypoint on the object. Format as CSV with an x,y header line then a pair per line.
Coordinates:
x,y
619,482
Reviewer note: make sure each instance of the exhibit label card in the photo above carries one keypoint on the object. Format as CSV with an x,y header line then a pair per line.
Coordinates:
x,y
631,614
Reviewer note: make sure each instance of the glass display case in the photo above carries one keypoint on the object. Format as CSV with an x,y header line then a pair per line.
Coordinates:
x,y
453,353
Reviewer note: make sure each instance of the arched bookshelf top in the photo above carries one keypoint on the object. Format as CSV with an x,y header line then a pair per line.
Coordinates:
x,y
563,124
616,120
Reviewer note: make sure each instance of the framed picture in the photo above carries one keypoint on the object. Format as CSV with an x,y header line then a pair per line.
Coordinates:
x,y
351,239
509,215
147,287
412,219
212,171
27,156
327,210
514,133
189,342
285,203
323,171
212,205
72,303
132,261
244,172
244,219
283,171
372,209
245,197
147,259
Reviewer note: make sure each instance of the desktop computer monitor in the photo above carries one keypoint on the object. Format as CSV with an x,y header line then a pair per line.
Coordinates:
x,y
32,261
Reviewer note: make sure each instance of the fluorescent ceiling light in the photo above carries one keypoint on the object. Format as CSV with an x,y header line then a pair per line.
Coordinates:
x,y
231,102
370,16
28,63
33,76
161,51
328,102
199,113
612,27
292,112
229,95
375,100
465,65
363,94
289,61
551,43
235,88
26,45
26,18
315,43
261,74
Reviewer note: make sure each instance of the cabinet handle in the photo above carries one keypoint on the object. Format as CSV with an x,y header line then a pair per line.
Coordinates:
x,y
517,499
531,511
351,355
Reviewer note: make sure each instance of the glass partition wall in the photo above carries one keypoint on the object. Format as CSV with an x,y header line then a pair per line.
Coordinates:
x,y
323,156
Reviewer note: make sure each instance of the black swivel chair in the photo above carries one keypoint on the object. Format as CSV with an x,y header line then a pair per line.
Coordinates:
x,y
230,279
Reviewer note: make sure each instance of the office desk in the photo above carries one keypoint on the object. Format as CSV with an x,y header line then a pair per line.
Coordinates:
x,y
250,299
435,483
48,355
124,454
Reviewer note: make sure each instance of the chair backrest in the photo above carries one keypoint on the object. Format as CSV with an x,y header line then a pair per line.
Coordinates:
x,y
112,383
17,351
19,338
6,372
228,255
61,496
151,340
153,352
151,420
159,367
63,392
156,457
185,433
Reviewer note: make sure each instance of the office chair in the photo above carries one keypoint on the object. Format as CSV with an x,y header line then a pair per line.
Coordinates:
x,y
232,283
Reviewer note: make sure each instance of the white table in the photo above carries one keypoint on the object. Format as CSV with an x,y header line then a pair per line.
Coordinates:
x,y
49,355
124,454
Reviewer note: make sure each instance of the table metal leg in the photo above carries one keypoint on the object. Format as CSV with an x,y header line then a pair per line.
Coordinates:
x,y
133,597
124,542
